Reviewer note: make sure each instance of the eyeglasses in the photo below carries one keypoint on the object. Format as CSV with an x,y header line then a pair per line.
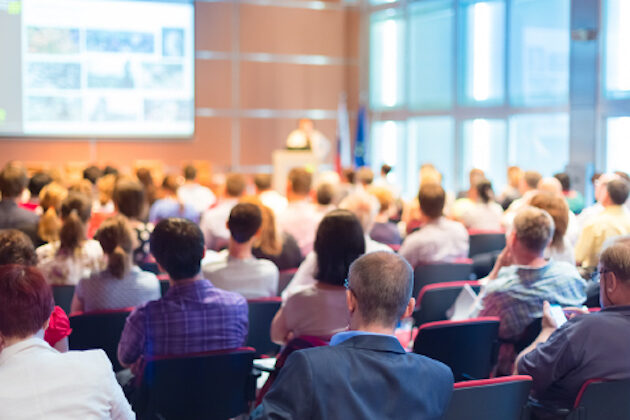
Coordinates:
x,y
598,273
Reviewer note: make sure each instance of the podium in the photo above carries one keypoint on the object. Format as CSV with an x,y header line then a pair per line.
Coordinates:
x,y
285,160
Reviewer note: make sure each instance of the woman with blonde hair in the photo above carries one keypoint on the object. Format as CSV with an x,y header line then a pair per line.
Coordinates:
x,y
121,284
50,199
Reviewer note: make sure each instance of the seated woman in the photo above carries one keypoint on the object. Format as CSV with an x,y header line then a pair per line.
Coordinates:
x,y
122,284
485,213
560,248
384,231
73,256
130,200
44,382
320,310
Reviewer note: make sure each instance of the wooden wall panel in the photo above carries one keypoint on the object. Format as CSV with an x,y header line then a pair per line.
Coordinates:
x,y
213,84
213,26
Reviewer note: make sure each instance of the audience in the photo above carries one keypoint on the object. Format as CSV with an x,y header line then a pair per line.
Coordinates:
x,y
324,194
485,213
511,191
466,199
560,247
170,205
130,201
365,207
122,284
193,316
365,371
38,181
318,308
13,180
238,270
146,179
364,177
439,239
50,199
38,381
193,194
574,198
214,221
105,188
384,230
92,173
268,196
73,256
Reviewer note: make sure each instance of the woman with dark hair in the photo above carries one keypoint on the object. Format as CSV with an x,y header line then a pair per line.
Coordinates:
x,y
130,200
320,310
73,256
486,213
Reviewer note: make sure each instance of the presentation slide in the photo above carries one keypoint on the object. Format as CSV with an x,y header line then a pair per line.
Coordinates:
x,y
97,68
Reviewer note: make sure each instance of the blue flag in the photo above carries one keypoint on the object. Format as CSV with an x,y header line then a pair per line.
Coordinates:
x,y
360,144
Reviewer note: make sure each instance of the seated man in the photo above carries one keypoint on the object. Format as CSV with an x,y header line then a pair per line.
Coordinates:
x,y
193,316
588,346
522,279
37,381
238,270
439,239
366,372
194,194
213,221
13,180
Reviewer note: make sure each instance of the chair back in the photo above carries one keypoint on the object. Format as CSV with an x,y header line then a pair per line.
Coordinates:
x,y
501,398
602,399
285,278
438,273
99,330
261,313
480,243
468,347
63,296
435,299
215,385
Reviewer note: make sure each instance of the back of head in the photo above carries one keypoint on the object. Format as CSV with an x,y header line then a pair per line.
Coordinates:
x,y
475,176
616,258
617,191
144,176
382,283
534,229
38,181
235,185
531,179
365,175
431,198
364,206
300,181
82,186
349,175
16,248
13,180
170,184
76,210
514,175
26,301
429,175
565,181
190,173
105,186
558,209
484,191
550,185
338,242
50,199
178,246
384,196
116,239
262,182
244,221
269,240
386,169
110,170
325,194
130,198
92,173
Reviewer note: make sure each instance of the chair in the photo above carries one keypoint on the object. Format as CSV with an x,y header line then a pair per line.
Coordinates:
x,y
212,385
63,296
440,272
602,399
490,399
285,278
261,313
99,330
482,242
468,347
435,299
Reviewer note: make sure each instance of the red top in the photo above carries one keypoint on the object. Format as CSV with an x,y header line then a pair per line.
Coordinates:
x,y
58,327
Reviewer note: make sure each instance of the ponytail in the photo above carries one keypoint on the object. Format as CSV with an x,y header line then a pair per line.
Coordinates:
x,y
116,239
118,262
484,191
72,232
49,226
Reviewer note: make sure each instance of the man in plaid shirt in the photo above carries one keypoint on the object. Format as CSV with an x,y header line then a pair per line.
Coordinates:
x,y
522,279
193,316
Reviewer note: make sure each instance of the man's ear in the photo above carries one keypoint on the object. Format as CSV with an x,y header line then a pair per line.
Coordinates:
x,y
613,282
351,301
411,306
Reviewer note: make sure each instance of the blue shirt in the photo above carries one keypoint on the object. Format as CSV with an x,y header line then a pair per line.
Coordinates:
x,y
168,207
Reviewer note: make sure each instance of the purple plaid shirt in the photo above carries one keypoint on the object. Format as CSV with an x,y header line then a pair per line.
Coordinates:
x,y
190,318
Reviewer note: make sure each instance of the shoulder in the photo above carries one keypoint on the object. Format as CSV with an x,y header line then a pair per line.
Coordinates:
x,y
266,265
89,360
564,269
230,298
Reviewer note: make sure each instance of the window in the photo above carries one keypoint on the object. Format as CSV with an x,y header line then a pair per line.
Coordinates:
x,y
617,39
387,145
484,147
617,144
386,60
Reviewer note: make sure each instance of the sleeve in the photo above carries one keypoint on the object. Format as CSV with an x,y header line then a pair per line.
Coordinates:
x,y
290,397
58,327
132,339
120,408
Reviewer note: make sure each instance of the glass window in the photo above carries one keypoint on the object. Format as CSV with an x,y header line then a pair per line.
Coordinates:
x,y
484,52
484,147
617,60
431,140
431,55
617,144
387,145
386,60
539,52
539,142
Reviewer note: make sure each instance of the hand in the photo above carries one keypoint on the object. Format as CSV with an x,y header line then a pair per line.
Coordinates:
x,y
548,323
505,258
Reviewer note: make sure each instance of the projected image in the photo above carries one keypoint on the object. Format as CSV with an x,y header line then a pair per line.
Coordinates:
x,y
52,75
162,76
165,110
119,41
51,108
111,109
53,40
110,74
172,42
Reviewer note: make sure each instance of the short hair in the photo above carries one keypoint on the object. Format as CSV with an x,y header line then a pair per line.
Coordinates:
x,y
13,180
38,181
534,228
484,190
92,173
16,248
300,181
26,301
532,178
365,175
431,198
564,179
349,174
235,185
262,181
617,191
382,283
170,183
325,193
178,246
623,175
130,198
384,196
244,221
616,258
558,209
364,206
386,169
110,170
338,242
190,173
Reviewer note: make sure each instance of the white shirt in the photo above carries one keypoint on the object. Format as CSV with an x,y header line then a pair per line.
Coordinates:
x,y
274,200
214,224
196,196
483,216
301,220
251,277
442,240
38,382
69,268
